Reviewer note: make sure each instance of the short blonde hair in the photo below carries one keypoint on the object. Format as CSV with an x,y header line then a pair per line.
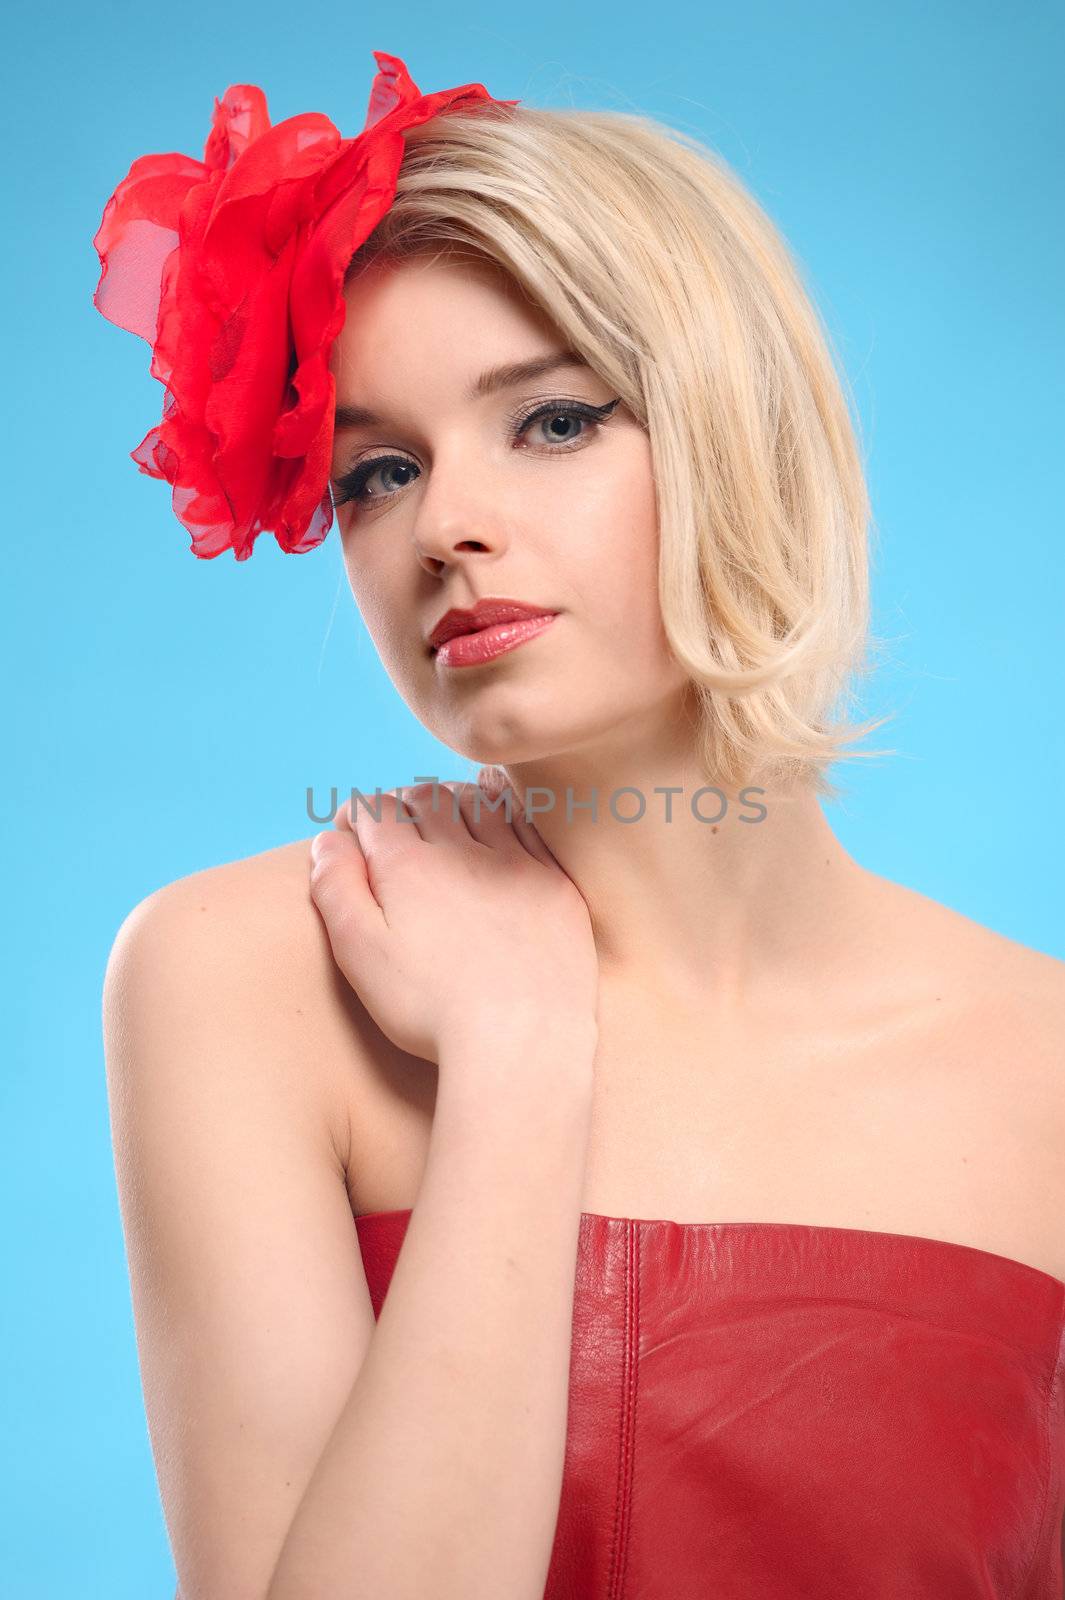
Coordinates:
x,y
655,263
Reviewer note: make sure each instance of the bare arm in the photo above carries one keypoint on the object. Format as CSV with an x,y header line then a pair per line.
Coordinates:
x,y
443,1474
470,946
251,1307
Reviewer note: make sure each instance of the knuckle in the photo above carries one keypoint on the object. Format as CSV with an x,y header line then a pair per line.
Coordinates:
x,y
480,804
322,862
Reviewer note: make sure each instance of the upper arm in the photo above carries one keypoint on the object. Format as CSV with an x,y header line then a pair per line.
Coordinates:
x,y
250,1303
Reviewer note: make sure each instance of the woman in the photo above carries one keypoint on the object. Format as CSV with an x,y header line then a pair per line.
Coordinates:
x,y
715,1182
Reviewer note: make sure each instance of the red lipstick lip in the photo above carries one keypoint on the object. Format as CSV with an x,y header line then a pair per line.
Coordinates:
x,y
466,650
485,614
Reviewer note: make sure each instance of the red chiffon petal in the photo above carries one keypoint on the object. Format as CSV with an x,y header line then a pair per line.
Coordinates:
x,y
392,87
232,268
137,233
240,117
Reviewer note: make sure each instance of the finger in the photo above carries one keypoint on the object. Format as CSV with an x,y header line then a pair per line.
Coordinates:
x,y
495,783
384,824
495,815
528,837
485,815
349,812
433,807
533,843
340,884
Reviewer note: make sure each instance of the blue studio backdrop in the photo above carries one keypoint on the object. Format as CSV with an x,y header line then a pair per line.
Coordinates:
x,y
169,714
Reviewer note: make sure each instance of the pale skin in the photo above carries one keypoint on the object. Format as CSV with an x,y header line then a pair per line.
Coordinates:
x,y
779,1034
782,1034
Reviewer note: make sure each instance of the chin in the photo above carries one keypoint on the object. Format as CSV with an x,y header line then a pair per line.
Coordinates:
x,y
498,747
507,742
503,752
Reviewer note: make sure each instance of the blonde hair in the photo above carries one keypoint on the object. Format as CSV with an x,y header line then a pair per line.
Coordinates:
x,y
656,265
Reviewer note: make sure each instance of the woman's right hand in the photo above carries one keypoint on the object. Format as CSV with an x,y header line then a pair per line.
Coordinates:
x,y
448,925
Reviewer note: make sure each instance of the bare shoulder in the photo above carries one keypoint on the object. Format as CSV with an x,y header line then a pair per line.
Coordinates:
x,y
250,926
229,1125
1006,998
255,914
267,880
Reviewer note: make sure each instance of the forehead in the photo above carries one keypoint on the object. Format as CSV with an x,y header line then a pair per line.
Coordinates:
x,y
458,313
441,268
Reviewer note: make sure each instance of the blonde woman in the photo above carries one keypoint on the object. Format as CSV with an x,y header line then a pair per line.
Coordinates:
x,y
593,1182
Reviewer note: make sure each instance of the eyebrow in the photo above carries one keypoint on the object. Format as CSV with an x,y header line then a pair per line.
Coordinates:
x,y
489,382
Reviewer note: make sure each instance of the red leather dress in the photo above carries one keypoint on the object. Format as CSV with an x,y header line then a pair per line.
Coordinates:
x,y
763,1411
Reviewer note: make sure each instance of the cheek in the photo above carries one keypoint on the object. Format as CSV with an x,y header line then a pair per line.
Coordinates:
x,y
368,590
385,603
622,557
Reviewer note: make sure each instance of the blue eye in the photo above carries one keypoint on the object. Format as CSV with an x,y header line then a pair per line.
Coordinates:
x,y
352,486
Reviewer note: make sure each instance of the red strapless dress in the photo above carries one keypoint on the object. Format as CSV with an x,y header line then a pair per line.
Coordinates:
x,y
766,1410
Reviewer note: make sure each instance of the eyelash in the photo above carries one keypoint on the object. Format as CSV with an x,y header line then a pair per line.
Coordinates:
x,y
351,485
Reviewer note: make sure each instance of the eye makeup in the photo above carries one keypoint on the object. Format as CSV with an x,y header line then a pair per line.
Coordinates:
x,y
351,486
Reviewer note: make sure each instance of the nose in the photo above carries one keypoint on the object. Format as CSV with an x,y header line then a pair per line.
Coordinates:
x,y
457,520
442,546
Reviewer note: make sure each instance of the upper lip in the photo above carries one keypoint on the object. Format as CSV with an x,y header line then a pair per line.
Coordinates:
x,y
485,614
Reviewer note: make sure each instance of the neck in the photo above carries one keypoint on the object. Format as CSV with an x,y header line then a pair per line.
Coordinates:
x,y
750,904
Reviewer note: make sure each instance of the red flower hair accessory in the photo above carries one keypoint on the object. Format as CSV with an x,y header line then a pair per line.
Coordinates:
x,y
232,269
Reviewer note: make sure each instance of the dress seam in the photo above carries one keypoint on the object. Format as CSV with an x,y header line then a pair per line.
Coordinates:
x,y
1054,1391
629,1382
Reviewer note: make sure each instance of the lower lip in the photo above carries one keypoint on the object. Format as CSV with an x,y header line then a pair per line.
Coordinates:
x,y
471,649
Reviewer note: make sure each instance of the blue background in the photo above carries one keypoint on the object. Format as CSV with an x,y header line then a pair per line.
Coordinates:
x,y
168,714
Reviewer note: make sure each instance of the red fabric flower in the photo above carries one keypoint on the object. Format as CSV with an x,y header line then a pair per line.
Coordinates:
x,y
232,269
